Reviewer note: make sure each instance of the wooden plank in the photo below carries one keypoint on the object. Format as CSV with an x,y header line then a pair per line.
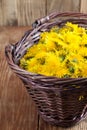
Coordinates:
x,y
1,16
24,12
83,7
17,111
9,12
29,10
63,5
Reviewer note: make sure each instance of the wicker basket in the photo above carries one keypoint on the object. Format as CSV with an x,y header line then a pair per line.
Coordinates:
x,y
57,99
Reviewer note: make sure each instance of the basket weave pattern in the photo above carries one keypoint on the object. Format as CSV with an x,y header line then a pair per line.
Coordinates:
x,y
57,99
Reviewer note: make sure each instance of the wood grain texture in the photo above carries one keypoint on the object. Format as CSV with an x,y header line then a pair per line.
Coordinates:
x,y
24,12
17,111
8,12
29,10
1,16
63,5
83,7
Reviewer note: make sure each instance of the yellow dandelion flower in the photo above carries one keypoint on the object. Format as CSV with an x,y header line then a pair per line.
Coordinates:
x,y
61,52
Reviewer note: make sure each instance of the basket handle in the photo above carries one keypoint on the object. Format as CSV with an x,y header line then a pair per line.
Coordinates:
x,y
53,15
8,53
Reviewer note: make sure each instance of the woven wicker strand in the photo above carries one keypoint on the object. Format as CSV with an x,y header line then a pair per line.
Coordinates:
x,y
57,99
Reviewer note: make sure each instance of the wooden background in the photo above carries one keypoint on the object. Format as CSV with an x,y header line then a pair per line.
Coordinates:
x,y
24,12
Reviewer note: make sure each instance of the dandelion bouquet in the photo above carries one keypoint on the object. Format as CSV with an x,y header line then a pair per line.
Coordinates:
x,y
61,52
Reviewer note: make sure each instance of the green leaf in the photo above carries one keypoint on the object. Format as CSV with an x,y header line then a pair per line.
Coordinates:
x,y
71,69
62,58
75,60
